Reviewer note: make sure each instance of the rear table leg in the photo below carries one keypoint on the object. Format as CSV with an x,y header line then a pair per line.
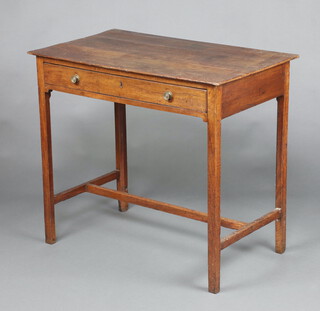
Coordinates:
x,y
121,151
281,164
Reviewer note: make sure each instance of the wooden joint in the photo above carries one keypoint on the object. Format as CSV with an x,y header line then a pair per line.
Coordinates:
x,y
250,227
232,224
71,192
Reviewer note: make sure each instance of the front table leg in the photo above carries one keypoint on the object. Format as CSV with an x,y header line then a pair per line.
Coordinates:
x,y
121,151
47,171
214,167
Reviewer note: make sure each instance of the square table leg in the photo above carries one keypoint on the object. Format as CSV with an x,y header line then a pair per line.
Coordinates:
x,y
121,151
46,152
281,163
47,170
214,168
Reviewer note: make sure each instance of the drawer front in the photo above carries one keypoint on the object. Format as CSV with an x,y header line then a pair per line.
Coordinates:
x,y
125,87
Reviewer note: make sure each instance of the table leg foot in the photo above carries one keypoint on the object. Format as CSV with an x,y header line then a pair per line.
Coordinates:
x,y
123,206
50,241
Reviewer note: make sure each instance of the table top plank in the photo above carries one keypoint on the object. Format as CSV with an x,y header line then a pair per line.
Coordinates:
x,y
160,56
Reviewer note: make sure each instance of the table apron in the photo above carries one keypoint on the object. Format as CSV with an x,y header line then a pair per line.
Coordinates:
x,y
252,90
128,90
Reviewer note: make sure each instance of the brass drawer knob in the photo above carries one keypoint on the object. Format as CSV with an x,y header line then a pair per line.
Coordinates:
x,y
168,96
75,79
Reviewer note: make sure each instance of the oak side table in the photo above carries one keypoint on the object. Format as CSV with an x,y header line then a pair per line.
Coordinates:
x,y
204,80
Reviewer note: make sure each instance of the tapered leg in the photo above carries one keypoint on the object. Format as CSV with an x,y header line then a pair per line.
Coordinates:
x,y
281,164
214,167
121,151
47,171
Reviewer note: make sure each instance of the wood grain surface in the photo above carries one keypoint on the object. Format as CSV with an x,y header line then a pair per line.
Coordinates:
x,y
165,57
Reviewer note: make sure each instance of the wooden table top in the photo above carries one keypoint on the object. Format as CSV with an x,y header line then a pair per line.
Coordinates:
x,y
159,56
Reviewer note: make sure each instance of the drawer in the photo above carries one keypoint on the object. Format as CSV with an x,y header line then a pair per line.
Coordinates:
x,y
126,87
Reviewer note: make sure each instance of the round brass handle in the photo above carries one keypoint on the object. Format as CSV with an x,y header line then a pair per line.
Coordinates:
x,y
168,96
75,79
